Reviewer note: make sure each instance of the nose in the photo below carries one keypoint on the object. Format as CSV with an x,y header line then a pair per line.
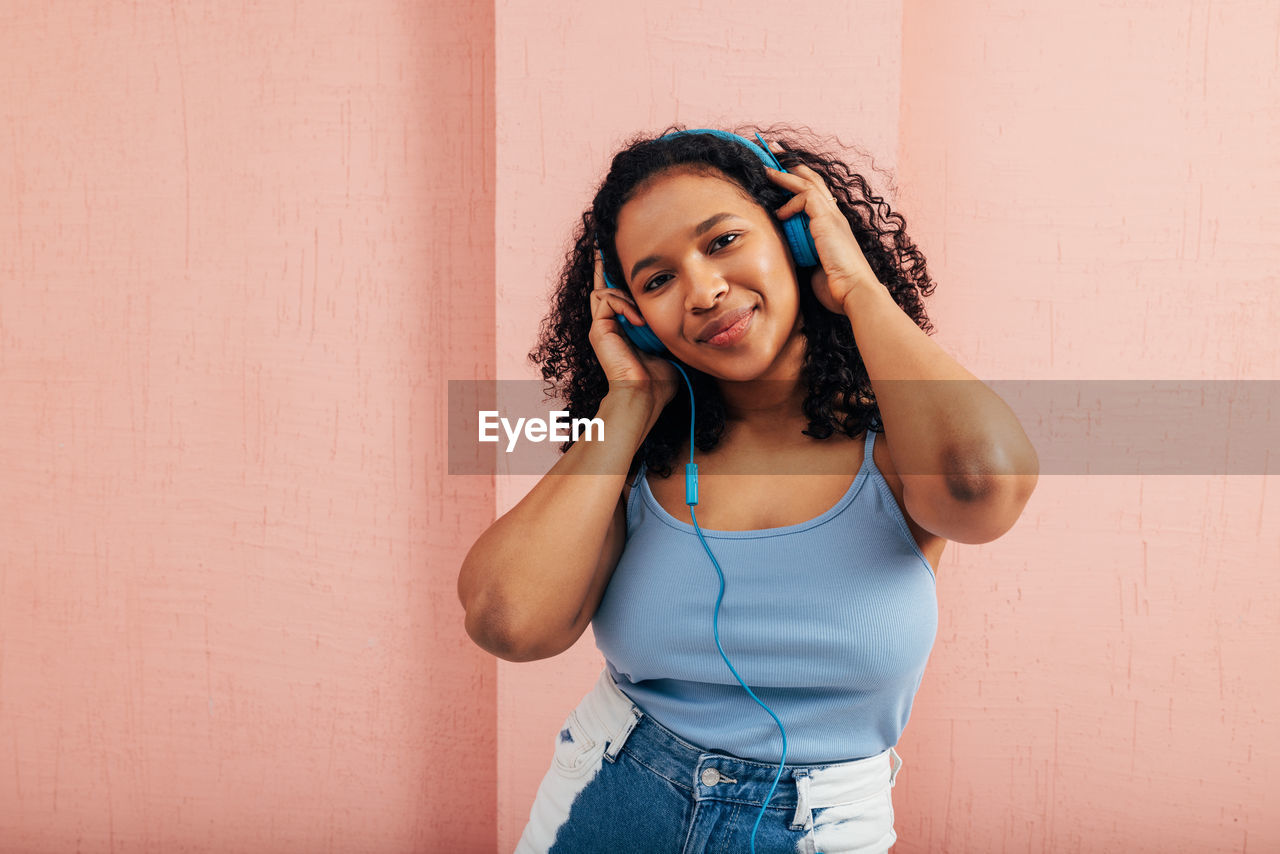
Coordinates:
x,y
705,287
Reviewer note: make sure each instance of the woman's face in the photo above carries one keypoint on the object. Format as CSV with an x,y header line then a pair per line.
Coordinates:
x,y
709,271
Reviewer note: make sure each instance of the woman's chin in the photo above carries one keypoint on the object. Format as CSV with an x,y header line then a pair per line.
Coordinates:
x,y
742,368
755,358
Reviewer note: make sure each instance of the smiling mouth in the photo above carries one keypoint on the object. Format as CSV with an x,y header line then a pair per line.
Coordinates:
x,y
732,334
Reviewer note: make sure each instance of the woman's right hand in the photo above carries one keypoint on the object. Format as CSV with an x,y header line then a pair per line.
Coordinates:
x,y
626,366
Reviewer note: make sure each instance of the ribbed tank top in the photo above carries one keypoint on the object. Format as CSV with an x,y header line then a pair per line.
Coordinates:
x,y
830,622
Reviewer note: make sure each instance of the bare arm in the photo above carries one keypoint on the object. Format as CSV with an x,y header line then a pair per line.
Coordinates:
x,y
966,464
533,580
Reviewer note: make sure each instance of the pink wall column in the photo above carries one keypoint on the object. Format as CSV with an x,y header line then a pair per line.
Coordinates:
x,y
1090,185
241,251
570,87
1095,187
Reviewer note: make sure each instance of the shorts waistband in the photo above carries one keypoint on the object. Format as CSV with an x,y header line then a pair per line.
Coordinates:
x,y
710,774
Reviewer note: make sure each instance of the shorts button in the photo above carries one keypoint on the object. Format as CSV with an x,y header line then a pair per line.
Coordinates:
x,y
710,776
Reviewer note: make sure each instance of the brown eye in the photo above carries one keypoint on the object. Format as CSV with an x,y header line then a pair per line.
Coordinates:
x,y
656,282
727,238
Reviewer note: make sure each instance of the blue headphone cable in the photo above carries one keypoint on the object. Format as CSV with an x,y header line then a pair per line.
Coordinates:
x,y
691,498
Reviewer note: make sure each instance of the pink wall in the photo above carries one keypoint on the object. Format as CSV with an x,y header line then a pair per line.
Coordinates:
x,y
228,542
244,250
1095,184
1094,188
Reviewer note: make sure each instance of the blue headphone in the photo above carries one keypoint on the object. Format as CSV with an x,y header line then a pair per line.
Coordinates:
x,y
795,229
800,242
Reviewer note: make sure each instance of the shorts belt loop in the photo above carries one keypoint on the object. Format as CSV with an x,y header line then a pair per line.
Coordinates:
x,y
803,819
895,764
620,738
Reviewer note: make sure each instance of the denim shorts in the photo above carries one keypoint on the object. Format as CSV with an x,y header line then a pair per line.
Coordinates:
x,y
622,783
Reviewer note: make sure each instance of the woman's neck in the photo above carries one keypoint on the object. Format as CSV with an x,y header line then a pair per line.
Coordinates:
x,y
762,402
771,403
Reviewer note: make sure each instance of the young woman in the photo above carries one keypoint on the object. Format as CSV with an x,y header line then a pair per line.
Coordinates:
x,y
763,639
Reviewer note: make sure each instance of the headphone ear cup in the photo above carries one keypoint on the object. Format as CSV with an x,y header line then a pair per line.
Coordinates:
x,y
800,241
796,229
641,336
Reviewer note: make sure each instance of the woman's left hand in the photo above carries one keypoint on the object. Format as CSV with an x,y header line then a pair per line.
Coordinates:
x,y
843,266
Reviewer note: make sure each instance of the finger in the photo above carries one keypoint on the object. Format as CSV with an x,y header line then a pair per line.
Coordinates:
x,y
794,206
805,172
607,302
599,270
779,151
814,200
602,304
802,186
814,180
791,181
604,320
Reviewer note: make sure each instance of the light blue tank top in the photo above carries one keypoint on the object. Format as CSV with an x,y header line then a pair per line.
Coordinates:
x,y
829,621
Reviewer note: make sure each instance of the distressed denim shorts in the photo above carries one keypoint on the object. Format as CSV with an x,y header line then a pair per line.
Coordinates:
x,y
622,783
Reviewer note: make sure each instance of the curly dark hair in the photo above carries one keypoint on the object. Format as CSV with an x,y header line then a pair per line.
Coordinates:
x,y
839,395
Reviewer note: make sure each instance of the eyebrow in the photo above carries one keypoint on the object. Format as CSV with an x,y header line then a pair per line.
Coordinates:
x,y
698,230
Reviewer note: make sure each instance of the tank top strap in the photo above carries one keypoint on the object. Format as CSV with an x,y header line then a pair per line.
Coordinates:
x,y
868,443
637,484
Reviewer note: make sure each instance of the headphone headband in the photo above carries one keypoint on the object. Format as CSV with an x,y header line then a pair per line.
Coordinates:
x,y
796,229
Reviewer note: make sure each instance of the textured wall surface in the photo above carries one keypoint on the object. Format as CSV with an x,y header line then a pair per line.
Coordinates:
x,y
1095,184
243,250
228,544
